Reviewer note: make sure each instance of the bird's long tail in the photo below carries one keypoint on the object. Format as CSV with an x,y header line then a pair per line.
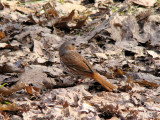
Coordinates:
x,y
109,86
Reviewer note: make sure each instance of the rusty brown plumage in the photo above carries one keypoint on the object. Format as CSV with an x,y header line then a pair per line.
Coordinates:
x,y
77,65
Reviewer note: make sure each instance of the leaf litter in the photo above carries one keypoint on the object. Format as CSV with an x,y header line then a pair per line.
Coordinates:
x,y
123,47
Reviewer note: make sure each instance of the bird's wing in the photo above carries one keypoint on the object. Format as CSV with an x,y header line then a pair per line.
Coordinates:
x,y
76,62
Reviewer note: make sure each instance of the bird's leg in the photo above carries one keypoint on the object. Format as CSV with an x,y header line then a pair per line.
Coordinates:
x,y
80,81
77,82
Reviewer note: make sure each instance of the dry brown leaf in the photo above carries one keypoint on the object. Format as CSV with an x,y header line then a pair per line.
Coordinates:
x,y
80,23
125,88
65,105
130,79
31,19
63,21
147,84
143,15
36,89
2,98
68,18
24,10
18,86
29,90
117,72
8,107
50,11
2,35
10,68
7,91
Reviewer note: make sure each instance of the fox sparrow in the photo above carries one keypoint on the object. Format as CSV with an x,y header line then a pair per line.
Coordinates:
x,y
77,65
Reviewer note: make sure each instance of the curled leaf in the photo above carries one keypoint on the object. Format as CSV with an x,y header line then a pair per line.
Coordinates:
x,y
147,84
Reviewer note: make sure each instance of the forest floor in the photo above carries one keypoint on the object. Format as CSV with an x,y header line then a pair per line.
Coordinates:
x,y
120,39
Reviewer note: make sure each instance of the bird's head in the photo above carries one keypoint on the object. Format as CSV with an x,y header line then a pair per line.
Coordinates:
x,y
66,47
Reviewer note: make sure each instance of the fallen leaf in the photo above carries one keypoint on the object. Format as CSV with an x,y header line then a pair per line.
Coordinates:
x,y
24,10
3,45
147,84
50,11
101,55
125,88
2,35
9,90
153,54
80,23
65,105
117,72
29,89
31,18
10,68
147,3
8,107
38,48
63,21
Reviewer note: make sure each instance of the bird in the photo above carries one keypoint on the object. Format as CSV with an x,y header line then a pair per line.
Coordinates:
x,y
77,66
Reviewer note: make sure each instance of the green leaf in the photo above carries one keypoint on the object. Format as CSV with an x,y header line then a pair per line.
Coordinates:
x,y
5,102
3,85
